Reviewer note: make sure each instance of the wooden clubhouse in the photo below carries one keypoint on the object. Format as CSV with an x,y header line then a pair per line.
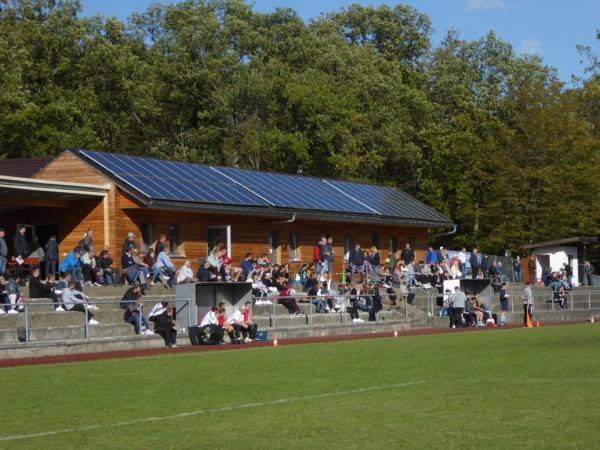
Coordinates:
x,y
199,206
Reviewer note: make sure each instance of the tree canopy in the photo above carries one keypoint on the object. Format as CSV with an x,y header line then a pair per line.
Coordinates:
x,y
492,139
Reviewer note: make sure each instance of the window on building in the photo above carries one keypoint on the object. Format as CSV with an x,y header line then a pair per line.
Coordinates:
x,y
274,247
147,237
375,240
393,244
219,236
347,245
174,239
294,251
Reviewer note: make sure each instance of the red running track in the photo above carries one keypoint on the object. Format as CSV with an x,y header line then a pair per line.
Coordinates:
x,y
120,354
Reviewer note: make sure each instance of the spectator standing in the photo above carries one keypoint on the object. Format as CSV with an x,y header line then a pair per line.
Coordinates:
x,y
527,304
443,256
431,256
475,261
517,269
588,271
462,259
128,242
318,256
3,251
247,265
86,244
356,260
503,303
458,301
375,261
408,255
161,244
21,250
50,258
328,254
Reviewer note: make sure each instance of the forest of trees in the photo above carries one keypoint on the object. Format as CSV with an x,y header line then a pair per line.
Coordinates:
x,y
492,139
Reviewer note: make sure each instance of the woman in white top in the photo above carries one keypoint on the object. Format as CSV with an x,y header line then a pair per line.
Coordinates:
x,y
185,274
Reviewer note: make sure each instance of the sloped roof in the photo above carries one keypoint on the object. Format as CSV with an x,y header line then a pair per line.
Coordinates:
x,y
22,167
172,184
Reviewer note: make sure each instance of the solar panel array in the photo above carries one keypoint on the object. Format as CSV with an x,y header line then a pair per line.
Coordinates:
x,y
184,182
292,191
389,201
176,181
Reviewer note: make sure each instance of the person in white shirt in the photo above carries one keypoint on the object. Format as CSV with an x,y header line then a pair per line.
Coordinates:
x,y
185,274
75,300
462,259
236,320
208,331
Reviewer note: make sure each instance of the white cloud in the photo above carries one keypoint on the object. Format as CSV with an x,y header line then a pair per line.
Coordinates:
x,y
485,5
531,46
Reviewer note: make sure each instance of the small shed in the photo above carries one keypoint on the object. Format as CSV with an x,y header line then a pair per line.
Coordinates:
x,y
553,255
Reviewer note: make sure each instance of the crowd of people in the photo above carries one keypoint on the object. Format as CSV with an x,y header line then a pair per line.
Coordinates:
x,y
368,282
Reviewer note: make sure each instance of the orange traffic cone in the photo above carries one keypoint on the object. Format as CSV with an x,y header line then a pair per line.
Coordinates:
x,y
529,324
537,324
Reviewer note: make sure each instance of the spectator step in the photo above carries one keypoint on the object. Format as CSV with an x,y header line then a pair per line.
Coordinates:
x,y
66,332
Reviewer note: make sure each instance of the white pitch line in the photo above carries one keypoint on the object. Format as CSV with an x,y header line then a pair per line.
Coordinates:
x,y
207,411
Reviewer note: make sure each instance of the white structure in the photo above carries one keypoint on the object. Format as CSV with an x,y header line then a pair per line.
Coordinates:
x,y
554,255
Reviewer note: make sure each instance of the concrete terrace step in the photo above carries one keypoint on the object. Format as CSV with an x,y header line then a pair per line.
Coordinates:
x,y
76,346
61,333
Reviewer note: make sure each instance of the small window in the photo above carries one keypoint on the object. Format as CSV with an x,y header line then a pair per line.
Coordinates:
x,y
173,236
375,240
147,236
293,247
274,247
393,244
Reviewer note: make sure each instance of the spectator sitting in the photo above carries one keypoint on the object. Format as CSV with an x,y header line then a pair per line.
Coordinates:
x,y
132,302
320,304
72,264
150,261
324,292
140,263
110,275
10,294
50,258
205,272
185,273
560,297
75,300
224,325
37,289
164,265
239,326
162,317
209,328
131,270
478,310
284,297
250,326
247,265
91,274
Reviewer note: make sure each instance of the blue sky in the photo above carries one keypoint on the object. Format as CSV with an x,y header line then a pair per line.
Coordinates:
x,y
549,28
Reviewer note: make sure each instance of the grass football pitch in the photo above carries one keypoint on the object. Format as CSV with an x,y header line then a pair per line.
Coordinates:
x,y
517,388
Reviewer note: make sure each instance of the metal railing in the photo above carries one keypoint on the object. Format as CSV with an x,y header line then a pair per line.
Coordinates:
x,y
342,299
27,307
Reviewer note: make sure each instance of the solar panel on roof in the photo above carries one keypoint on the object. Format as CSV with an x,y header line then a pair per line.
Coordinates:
x,y
170,180
292,191
389,201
